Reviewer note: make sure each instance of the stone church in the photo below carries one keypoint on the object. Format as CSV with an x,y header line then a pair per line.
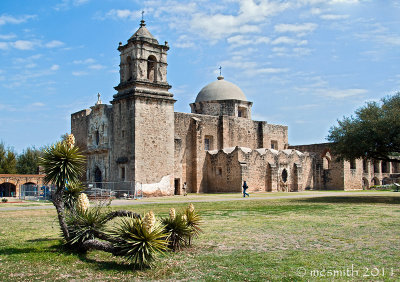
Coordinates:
x,y
139,137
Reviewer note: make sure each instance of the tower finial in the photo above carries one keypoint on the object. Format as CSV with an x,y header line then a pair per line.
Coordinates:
x,y
220,77
142,21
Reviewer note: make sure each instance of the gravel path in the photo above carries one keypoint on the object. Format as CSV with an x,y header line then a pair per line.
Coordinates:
x,y
217,198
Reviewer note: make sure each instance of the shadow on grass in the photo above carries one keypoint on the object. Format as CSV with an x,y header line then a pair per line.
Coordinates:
x,y
59,249
352,200
106,265
40,240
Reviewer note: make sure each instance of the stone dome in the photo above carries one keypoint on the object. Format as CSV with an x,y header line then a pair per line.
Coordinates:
x,y
220,90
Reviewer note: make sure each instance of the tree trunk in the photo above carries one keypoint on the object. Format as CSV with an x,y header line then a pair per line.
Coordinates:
x,y
99,245
58,202
121,213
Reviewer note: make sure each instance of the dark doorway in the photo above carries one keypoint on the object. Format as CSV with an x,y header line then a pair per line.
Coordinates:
x,y
98,177
7,190
177,186
284,175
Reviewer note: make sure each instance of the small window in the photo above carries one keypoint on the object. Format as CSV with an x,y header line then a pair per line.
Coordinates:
x,y
123,173
208,143
353,164
219,171
385,167
130,68
376,167
97,137
274,144
365,166
151,68
242,112
123,133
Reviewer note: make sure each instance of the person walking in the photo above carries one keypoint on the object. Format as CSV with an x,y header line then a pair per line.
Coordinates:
x,y
245,187
184,188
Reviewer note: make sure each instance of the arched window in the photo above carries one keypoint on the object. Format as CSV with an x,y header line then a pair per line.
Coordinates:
x,y
284,175
151,68
7,190
326,160
98,177
97,137
130,68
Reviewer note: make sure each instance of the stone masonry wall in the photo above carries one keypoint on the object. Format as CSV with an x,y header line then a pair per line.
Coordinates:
x,y
154,145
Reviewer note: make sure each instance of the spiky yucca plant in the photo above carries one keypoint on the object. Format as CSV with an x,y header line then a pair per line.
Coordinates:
x,y
193,221
62,163
71,194
138,241
178,230
86,225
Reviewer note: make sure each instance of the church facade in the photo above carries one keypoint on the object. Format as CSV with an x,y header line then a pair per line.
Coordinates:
x,y
139,137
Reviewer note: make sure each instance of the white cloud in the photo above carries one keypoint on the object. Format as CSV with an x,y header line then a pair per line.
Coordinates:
x,y
96,67
4,45
67,4
333,17
24,44
84,62
240,40
296,28
123,14
7,19
54,67
247,20
79,73
288,40
184,42
7,36
341,93
54,43
37,104
333,2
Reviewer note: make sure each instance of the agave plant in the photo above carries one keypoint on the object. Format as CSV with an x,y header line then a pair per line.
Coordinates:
x,y
193,221
86,225
178,230
140,240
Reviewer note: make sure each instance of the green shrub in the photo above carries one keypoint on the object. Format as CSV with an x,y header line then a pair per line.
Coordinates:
x,y
4,200
86,225
138,241
178,230
193,220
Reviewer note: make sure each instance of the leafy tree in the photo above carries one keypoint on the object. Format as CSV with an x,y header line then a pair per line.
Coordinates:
x,y
28,161
373,133
8,160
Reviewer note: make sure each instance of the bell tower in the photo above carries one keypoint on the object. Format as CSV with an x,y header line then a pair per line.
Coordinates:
x,y
143,113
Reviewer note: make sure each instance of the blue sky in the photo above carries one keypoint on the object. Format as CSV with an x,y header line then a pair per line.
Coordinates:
x,y
303,63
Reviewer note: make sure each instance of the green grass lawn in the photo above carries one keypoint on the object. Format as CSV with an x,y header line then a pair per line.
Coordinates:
x,y
258,240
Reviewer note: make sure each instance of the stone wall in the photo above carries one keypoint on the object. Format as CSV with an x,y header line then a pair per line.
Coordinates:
x,y
20,179
262,169
154,145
